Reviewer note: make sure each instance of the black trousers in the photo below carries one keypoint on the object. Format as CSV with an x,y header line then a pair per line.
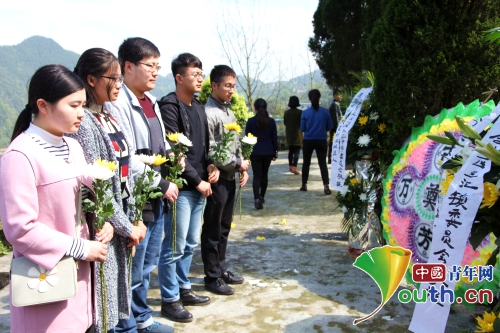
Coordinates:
x,y
330,141
293,155
260,168
308,146
217,220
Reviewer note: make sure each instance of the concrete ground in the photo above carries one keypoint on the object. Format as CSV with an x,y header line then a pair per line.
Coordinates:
x,y
299,279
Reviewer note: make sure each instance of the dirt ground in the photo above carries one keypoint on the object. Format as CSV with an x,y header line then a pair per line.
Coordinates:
x,y
299,279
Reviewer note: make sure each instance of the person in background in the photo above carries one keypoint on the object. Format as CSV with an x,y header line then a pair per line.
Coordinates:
x,y
139,117
101,137
335,114
219,211
183,113
315,123
265,150
293,134
41,176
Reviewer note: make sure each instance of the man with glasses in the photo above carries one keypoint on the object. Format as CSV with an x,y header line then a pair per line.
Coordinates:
x,y
139,117
183,113
218,213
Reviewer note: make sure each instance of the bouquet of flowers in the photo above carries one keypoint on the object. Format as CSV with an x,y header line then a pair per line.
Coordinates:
x,y
179,148
365,136
247,144
102,208
352,201
143,192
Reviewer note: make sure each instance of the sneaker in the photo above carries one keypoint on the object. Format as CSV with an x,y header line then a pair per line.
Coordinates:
x,y
156,327
303,188
219,287
327,190
174,311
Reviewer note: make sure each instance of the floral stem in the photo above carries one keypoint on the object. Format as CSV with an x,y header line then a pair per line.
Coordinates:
x,y
174,227
104,300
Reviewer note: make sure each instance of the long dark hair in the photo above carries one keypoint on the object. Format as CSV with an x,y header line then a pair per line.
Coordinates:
x,y
95,62
261,116
314,96
50,83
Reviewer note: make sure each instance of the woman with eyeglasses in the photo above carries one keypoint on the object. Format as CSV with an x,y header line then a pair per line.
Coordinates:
x,y
101,137
41,175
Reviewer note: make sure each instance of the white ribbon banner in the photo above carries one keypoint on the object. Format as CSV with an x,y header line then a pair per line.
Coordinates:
x,y
339,145
451,231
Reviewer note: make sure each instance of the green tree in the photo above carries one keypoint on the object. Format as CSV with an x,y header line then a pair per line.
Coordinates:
x,y
336,43
238,104
429,55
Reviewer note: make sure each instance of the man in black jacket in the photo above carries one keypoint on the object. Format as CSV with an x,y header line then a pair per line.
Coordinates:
x,y
335,114
182,113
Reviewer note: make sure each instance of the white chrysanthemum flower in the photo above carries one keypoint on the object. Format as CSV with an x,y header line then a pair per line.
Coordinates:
x,y
101,172
250,140
146,159
374,116
363,197
344,191
364,140
184,140
344,209
42,278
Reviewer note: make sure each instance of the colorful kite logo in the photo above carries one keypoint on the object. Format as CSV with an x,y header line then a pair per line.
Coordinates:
x,y
387,267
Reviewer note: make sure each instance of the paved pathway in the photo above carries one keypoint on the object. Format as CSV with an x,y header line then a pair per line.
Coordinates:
x,y
306,281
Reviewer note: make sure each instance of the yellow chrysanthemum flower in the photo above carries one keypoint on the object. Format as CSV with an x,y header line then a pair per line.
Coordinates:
x,y
159,160
108,164
260,238
233,225
485,324
283,222
233,127
382,128
353,181
363,120
174,137
445,184
490,195
251,136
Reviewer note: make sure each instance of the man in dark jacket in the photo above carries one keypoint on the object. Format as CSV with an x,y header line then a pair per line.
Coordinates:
x,y
293,133
183,113
335,114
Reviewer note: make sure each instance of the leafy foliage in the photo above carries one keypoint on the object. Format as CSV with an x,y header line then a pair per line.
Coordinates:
x,y
427,56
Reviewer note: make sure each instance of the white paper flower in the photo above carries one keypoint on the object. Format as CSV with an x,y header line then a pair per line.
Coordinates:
x,y
146,159
344,209
374,116
364,140
184,140
363,197
250,140
344,191
42,278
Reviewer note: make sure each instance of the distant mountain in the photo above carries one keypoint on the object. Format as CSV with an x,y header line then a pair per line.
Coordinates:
x,y
19,62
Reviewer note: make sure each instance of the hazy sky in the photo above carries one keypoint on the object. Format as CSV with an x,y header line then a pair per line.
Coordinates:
x,y
173,26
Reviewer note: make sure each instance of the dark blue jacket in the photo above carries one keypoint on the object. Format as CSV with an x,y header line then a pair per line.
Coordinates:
x,y
267,140
315,123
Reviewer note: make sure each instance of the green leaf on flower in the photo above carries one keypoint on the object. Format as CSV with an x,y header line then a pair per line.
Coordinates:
x,y
440,139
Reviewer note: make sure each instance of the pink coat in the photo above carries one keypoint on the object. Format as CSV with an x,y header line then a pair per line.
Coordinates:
x,y
38,203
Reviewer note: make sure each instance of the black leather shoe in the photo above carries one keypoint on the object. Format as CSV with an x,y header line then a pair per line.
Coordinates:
x,y
258,204
230,278
327,190
190,298
262,201
303,188
175,311
219,287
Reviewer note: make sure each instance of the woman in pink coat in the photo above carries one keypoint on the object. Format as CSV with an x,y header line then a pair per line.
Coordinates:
x,y
41,174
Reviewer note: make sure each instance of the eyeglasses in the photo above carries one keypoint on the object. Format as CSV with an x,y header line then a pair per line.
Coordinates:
x,y
152,68
229,86
195,75
114,78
